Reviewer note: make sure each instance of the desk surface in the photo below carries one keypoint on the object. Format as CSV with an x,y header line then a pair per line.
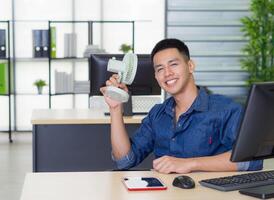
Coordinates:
x,y
108,186
76,116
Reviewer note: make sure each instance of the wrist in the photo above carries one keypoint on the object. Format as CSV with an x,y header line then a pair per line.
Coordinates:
x,y
195,164
116,109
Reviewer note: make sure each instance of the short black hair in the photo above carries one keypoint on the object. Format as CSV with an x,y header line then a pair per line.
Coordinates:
x,y
171,43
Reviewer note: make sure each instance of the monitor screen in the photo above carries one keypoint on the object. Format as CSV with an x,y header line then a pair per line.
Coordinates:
x,y
144,82
255,138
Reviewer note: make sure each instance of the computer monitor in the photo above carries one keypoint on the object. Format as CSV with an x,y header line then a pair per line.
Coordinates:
x,y
144,82
255,138
144,89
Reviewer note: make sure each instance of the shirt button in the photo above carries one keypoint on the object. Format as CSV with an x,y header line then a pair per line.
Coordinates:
x,y
173,139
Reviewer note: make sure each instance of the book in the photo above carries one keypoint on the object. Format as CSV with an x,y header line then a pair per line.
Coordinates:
x,y
2,43
3,78
53,42
63,82
45,43
37,43
70,45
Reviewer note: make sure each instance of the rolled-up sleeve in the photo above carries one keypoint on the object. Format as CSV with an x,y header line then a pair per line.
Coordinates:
x,y
232,123
250,165
243,166
142,144
125,162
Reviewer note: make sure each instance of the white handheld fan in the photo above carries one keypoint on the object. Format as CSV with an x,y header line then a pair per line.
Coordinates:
x,y
126,70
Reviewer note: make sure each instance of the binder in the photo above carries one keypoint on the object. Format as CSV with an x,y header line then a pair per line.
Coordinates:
x,y
37,43
70,45
53,42
3,78
45,43
2,43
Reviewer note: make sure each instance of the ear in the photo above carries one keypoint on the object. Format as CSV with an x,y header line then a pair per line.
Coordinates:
x,y
191,66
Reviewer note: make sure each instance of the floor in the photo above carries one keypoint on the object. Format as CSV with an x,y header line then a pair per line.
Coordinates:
x,y
16,161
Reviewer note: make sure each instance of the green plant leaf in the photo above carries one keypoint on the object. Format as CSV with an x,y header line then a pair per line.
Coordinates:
x,y
258,29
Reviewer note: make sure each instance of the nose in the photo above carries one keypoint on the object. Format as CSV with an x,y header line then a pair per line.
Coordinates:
x,y
168,71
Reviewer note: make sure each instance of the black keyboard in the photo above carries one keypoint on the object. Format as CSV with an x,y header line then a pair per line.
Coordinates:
x,y
241,181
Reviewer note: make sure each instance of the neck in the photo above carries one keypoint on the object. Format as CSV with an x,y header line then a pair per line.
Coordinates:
x,y
185,99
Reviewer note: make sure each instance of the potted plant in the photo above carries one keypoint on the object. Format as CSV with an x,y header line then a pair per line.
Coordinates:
x,y
125,48
258,29
40,83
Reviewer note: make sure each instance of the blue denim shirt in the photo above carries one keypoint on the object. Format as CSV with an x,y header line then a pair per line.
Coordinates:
x,y
208,128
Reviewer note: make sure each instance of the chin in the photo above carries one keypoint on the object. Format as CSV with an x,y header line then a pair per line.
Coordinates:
x,y
171,92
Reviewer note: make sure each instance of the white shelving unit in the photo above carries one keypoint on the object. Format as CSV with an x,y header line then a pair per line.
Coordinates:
x,y
28,15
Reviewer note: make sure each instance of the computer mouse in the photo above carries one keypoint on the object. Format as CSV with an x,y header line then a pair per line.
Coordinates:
x,y
184,182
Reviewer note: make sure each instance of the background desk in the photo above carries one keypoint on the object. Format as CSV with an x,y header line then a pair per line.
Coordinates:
x,y
108,186
75,140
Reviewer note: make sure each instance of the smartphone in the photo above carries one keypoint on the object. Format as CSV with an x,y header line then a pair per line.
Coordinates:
x,y
143,183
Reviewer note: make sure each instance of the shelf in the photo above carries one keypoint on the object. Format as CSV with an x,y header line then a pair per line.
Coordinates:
x,y
72,93
30,21
92,21
31,59
47,59
4,59
80,59
58,94
32,94
5,131
4,95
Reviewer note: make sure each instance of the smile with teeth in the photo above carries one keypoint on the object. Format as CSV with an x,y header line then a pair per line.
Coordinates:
x,y
171,82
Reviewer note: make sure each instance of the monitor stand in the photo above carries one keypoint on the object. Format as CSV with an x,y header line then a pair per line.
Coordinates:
x,y
128,108
262,192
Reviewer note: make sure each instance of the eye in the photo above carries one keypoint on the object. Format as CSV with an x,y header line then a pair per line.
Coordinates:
x,y
174,64
159,69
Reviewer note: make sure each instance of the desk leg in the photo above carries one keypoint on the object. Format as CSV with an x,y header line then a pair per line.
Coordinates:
x,y
34,149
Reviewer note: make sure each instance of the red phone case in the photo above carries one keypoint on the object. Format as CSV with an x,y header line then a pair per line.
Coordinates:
x,y
141,187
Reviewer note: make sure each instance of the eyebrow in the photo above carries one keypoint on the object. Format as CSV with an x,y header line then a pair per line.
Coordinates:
x,y
170,61
156,66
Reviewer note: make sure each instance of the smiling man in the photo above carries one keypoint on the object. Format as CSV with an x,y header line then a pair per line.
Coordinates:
x,y
190,131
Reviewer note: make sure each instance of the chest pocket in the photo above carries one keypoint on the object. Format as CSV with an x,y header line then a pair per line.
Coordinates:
x,y
202,141
163,133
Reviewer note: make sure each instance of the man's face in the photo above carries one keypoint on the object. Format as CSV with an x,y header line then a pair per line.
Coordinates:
x,y
172,71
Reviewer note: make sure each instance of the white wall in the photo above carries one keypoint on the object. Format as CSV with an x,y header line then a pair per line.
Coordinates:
x,y
149,26
5,9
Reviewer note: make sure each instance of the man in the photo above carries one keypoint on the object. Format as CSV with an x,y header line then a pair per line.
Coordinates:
x,y
190,131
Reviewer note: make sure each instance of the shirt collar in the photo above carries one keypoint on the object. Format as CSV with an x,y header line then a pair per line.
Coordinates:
x,y
200,103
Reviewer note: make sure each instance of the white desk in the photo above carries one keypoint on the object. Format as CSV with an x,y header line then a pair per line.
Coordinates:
x,y
108,186
76,116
